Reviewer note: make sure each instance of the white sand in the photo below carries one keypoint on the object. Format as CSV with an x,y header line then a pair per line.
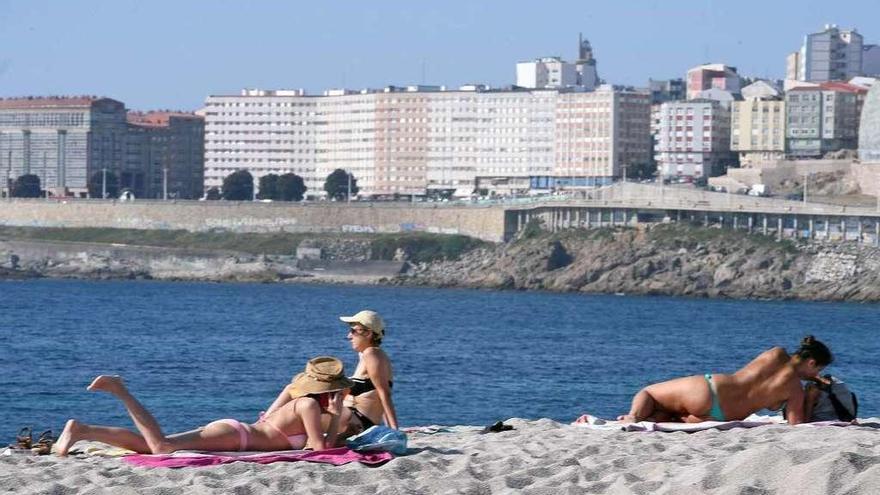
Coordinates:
x,y
538,457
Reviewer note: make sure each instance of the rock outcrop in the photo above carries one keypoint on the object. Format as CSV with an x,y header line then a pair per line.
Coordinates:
x,y
665,260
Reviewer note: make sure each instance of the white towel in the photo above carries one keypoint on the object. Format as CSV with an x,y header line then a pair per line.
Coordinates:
x,y
752,421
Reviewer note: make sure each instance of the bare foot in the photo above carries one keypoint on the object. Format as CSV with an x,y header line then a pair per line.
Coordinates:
x,y
586,419
68,437
627,418
108,383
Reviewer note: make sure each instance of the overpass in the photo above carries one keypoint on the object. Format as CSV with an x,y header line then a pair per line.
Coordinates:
x,y
630,203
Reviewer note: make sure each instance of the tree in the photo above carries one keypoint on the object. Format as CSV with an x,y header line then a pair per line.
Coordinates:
x,y
268,187
96,184
336,185
26,186
291,187
212,194
238,186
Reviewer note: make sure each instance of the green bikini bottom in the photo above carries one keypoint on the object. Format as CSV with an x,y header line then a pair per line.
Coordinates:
x,y
715,412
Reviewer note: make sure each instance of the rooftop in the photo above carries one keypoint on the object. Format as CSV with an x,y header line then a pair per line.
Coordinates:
x,y
159,118
50,102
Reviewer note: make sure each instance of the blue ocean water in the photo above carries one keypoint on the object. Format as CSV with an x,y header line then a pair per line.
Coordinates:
x,y
194,352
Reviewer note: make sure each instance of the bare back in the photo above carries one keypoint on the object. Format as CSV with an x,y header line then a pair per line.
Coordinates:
x,y
767,382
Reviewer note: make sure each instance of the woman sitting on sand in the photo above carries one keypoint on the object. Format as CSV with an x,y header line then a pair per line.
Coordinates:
x,y
768,382
294,425
369,401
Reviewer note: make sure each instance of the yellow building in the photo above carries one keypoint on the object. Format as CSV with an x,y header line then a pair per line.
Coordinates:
x,y
757,130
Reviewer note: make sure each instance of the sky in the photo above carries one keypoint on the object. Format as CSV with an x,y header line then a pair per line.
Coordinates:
x,y
171,54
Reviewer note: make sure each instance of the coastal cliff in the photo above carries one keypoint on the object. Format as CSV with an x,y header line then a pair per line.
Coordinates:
x,y
660,260
664,260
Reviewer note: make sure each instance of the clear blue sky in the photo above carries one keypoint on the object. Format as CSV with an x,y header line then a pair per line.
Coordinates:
x,y
155,54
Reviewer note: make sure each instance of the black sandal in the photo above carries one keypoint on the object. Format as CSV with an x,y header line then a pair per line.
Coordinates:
x,y
497,427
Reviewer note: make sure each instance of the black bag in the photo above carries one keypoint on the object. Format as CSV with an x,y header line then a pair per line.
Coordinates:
x,y
835,403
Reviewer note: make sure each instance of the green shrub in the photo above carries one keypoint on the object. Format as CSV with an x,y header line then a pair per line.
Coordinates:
x,y
421,248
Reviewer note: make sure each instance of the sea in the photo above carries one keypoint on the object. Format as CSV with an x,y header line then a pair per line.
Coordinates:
x,y
196,352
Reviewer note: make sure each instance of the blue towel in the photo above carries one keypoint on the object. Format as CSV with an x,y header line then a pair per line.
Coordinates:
x,y
379,438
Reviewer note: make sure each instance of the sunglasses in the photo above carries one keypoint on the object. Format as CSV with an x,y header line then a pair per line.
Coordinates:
x,y
362,331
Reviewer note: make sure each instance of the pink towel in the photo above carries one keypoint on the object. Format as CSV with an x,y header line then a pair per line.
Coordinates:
x,y
337,457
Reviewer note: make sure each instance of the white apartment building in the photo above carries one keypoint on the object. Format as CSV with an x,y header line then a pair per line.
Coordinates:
x,y
261,131
414,140
693,139
547,72
555,73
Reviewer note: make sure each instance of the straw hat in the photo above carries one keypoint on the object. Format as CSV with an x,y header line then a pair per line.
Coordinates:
x,y
322,374
369,319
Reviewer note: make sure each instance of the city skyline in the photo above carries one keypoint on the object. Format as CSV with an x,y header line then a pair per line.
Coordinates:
x,y
149,58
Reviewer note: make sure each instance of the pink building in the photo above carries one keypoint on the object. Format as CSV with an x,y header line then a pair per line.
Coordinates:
x,y
710,76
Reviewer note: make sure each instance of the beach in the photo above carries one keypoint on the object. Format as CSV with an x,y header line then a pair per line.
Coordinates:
x,y
538,456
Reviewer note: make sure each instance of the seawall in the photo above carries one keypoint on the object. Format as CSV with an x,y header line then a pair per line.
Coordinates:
x,y
486,223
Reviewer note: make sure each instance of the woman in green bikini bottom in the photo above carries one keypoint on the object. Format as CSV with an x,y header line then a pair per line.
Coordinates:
x,y
769,381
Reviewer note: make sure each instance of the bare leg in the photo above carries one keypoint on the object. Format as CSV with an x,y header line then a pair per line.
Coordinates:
x,y
214,437
642,407
75,431
143,420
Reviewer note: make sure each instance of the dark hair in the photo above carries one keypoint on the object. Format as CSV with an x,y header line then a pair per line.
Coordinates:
x,y
813,349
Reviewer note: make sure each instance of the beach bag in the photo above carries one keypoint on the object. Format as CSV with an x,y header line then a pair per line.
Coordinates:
x,y
835,403
378,438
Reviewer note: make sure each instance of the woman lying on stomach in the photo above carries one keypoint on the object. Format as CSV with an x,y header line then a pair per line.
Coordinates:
x,y
771,380
294,425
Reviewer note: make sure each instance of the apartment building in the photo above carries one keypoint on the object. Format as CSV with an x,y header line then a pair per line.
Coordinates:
x,y
63,140
693,139
164,155
822,119
554,72
757,125
832,54
261,131
418,139
712,76
758,130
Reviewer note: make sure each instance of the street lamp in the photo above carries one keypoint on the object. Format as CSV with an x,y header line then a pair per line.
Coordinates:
x,y
806,178
104,183
9,173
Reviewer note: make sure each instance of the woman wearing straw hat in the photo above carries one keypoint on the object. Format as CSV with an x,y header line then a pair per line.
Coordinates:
x,y
369,401
292,425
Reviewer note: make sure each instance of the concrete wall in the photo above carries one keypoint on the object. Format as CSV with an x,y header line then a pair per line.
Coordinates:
x,y
774,173
868,177
485,223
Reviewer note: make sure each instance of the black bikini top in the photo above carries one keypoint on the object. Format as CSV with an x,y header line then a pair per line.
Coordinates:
x,y
364,385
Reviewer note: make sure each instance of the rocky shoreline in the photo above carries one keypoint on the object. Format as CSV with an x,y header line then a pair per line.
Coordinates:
x,y
665,260
671,260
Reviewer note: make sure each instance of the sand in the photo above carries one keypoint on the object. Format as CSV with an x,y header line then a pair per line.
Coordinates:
x,y
539,456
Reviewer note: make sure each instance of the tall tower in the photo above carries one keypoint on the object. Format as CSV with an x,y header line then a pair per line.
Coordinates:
x,y
587,75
